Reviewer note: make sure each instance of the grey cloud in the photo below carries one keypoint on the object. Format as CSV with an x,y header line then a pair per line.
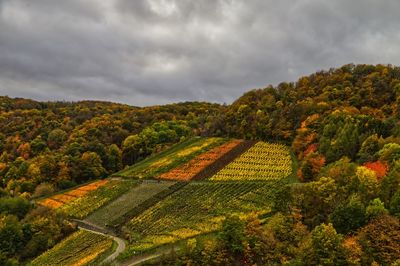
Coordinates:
x,y
158,51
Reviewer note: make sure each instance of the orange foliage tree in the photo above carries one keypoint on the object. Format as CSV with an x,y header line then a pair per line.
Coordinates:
x,y
380,168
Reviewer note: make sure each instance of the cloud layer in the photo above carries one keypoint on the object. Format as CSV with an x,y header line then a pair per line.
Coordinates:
x,y
146,52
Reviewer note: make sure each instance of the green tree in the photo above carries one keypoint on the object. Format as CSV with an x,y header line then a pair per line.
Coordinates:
x,y
16,206
232,234
38,145
368,150
325,247
91,166
366,183
11,235
56,138
390,183
348,218
390,152
114,159
395,204
375,209
131,149
316,200
347,141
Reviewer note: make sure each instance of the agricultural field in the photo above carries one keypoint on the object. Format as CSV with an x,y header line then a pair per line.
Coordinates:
x,y
59,200
153,213
81,248
90,197
131,199
192,168
169,159
263,161
197,208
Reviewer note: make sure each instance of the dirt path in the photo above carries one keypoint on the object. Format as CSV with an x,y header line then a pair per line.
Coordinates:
x,y
101,231
143,258
137,261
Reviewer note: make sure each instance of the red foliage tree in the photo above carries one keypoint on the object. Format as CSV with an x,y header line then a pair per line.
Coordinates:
x,y
378,167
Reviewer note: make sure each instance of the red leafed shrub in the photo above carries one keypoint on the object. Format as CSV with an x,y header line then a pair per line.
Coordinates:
x,y
378,167
311,148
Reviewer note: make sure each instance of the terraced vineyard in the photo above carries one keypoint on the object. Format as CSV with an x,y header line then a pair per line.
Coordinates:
x,y
61,199
88,198
192,168
167,160
197,208
245,176
263,161
80,248
122,205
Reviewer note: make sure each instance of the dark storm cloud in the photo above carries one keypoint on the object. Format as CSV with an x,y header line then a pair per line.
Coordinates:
x,y
157,51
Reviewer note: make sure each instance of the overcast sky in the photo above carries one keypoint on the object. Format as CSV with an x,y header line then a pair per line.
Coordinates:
x,y
157,51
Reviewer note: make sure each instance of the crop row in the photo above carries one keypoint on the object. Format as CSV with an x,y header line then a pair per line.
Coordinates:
x,y
119,221
120,207
263,161
171,158
196,208
59,200
81,207
219,164
81,248
192,168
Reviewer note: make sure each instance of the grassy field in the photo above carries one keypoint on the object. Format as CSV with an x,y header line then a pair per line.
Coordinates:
x,y
263,161
80,248
169,159
126,202
82,206
195,209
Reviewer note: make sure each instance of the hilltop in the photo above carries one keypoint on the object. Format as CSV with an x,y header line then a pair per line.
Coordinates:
x,y
305,172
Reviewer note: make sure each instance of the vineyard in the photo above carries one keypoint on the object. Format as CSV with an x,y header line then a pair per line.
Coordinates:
x,y
80,248
195,209
192,168
122,205
83,206
152,213
171,158
80,202
263,161
59,200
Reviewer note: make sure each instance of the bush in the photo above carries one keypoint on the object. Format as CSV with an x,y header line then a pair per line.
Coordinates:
x,y
64,184
43,190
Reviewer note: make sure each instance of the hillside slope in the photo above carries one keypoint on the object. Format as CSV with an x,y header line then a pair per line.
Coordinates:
x,y
341,124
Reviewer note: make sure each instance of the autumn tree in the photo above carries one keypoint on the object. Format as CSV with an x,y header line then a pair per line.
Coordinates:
x,y
368,150
348,217
91,166
375,209
325,247
395,204
56,138
232,235
380,241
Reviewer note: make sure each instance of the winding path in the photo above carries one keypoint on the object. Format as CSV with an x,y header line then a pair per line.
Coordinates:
x,y
101,231
140,259
85,225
